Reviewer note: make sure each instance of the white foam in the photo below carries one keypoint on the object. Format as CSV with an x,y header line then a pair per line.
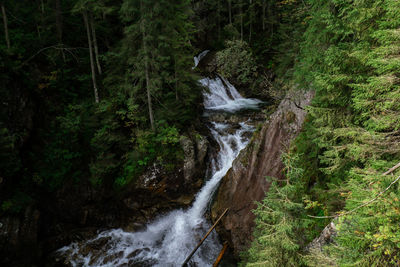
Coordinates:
x,y
224,96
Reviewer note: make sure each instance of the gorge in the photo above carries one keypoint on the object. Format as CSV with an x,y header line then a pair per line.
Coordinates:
x,y
115,149
169,239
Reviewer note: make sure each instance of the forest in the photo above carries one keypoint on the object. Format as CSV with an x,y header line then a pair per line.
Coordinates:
x,y
94,93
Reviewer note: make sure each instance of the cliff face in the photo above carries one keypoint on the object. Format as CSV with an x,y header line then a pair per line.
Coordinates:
x,y
246,182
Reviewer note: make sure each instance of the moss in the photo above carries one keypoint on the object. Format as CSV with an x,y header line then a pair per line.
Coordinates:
x,y
258,128
290,117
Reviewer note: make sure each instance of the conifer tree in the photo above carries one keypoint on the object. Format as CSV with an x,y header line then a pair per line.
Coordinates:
x,y
162,61
5,22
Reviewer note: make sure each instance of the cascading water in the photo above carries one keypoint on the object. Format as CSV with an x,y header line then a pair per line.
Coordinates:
x,y
168,240
224,96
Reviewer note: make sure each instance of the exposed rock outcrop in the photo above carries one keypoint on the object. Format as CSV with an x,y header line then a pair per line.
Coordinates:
x,y
246,182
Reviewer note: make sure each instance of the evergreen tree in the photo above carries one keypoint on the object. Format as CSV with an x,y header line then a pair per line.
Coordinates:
x,y
348,56
161,63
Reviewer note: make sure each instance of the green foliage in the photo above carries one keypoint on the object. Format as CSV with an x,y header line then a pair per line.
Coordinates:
x,y
63,159
164,32
349,57
236,62
354,119
151,148
48,119
16,204
123,150
370,235
280,219
9,160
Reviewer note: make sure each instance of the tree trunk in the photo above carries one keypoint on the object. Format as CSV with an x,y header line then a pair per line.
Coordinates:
x,y
146,69
5,21
176,82
42,6
263,15
59,26
241,20
59,21
230,11
96,94
38,31
218,20
251,14
96,49
40,25
270,22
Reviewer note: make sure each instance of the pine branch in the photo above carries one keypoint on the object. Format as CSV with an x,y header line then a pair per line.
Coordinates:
x,y
366,203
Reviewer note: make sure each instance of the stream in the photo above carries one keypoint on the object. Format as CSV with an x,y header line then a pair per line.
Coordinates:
x,y
171,237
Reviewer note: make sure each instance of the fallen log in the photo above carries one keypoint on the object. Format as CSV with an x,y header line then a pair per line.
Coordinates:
x,y
184,264
221,254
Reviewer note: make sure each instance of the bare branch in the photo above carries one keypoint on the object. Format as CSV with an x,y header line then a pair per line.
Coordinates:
x,y
58,47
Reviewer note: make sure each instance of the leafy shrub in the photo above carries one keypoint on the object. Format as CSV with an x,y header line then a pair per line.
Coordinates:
x,y
236,63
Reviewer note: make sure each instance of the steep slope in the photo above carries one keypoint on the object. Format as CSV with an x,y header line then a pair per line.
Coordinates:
x,y
246,182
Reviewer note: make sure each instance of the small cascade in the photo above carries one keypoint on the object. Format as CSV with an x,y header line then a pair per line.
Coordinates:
x,y
225,97
169,239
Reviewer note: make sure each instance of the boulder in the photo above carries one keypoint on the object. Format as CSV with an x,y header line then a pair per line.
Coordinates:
x,y
189,163
202,149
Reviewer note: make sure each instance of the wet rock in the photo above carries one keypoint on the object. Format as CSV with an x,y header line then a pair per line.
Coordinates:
x,y
217,117
98,244
134,253
19,238
233,128
202,145
185,199
110,258
189,163
246,182
134,226
229,118
150,179
132,203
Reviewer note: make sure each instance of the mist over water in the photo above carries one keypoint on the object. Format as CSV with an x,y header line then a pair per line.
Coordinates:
x,y
170,238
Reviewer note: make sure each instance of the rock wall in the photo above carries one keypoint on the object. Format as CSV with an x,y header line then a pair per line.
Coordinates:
x,y
246,182
18,238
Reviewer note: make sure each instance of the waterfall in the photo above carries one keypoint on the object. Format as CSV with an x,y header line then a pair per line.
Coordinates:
x,y
169,239
224,96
